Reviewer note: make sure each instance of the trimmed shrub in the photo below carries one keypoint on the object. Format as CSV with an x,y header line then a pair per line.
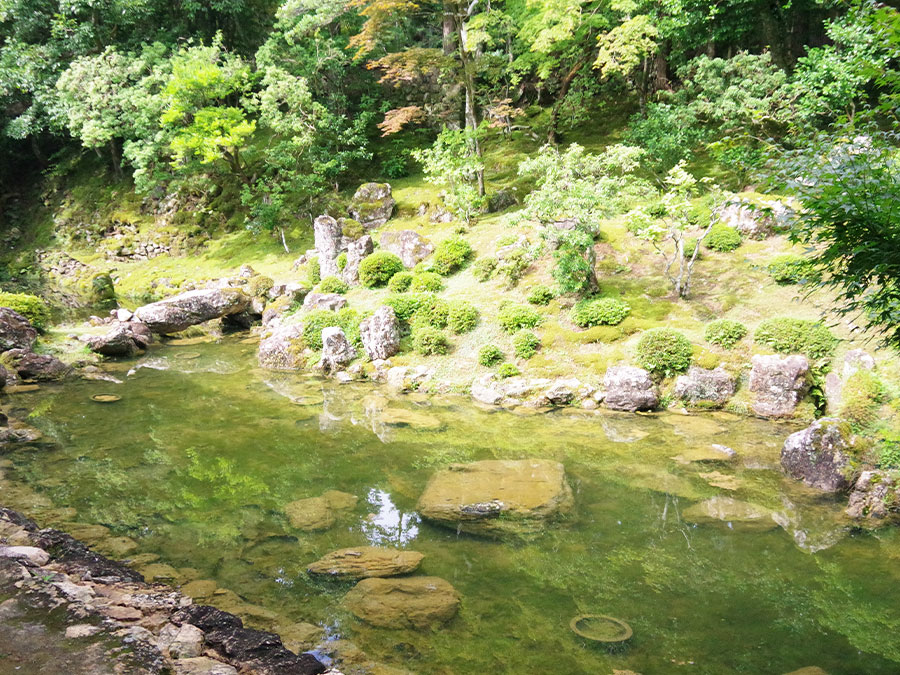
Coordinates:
x,y
376,270
31,307
462,317
400,282
405,305
341,261
313,273
725,332
516,317
450,255
664,351
259,285
332,285
791,269
483,268
508,370
432,310
541,295
796,336
490,355
428,340
316,320
599,312
722,238
525,344
426,282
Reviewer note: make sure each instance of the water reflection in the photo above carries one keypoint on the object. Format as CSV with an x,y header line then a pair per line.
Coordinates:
x,y
388,525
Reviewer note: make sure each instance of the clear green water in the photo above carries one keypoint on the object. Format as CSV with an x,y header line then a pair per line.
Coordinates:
x,y
200,455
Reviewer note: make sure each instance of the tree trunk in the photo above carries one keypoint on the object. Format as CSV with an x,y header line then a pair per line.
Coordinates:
x,y
448,29
563,90
468,77
114,156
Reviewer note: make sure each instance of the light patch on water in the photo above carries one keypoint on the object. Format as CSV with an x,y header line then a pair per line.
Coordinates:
x,y
388,525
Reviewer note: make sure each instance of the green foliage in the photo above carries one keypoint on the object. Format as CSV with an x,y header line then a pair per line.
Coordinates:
x,y
725,332
31,307
452,162
428,340
377,269
514,317
669,133
796,336
507,370
332,285
791,269
690,246
513,266
490,355
420,309
664,351
405,305
599,312
426,282
313,271
722,238
450,255
352,229
341,261
526,344
540,295
346,319
861,396
259,285
400,282
462,317
483,268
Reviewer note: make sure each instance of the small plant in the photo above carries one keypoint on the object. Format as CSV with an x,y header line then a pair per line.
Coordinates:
x,y
426,282
526,344
313,323
341,261
508,370
541,295
31,307
791,269
725,332
428,340
332,285
490,355
796,336
664,351
483,268
376,269
599,312
516,317
432,310
450,255
514,265
722,238
313,272
463,317
400,282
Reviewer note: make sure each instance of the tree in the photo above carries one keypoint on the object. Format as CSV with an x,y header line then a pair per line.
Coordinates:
x,y
450,161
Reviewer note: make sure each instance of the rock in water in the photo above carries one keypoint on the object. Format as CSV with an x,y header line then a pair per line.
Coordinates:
x,y
319,513
779,383
407,245
189,309
327,233
356,251
40,367
15,331
416,602
372,205
367,561
876,496
629,388
282,349
337,351
732,511
705,386
125,339
820,455
380,334
497,496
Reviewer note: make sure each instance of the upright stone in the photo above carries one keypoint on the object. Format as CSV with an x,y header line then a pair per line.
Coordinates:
x,y
779,384
327,234
372,205
381,334
356,251
337,351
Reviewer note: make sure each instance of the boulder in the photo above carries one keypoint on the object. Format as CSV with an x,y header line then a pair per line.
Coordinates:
x,y
372,205
330,301
356,251
4,378
15,331
31,554
407,378
319,513
40,367
407,245
501,200
875,496
497,496
282,349
124,339
202,665
293,291
756,222
820,455
629,388
732,512
705,387
516,391
415,602
380,334
367,561
189,309
327,233
779,383
337,351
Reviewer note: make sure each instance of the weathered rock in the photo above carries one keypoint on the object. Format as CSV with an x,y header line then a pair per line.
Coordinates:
x,y
81,630
293,291
779,384
40,367
629,388
15,331
702,386
203,665
731,511
501,200
34,555
497,496
875,496
854,361
415,602
189,309
330,301
756,222
407,245
319,513
372,205
125,339
282,349
4,378
405,378
820,455
380,334
187,642
336,350
517,391
327,233
356,251
367,561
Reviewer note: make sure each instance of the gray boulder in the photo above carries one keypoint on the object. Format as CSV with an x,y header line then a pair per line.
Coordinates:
x,y
330,301
820,455
629,388
125,339
282,349
407,245
778,383
189,309
15,331
337,351
756,222
327,232
39,367
356,251
875,496
702,386
381,334
372,205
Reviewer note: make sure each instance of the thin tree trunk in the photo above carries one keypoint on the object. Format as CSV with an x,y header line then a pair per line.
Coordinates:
x,y
563,91
469,85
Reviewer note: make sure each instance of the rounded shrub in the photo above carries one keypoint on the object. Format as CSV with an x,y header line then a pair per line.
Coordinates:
x,y
725,332
341,261
791,269
432,310
377,269
462,317
313,323
508,370
796,336
514,317
426,282
490,355
259,285
722,238
526,344
450,255
540,295
332,285
428,340
664,351
483,268
400,282
599,312
405,305
31,307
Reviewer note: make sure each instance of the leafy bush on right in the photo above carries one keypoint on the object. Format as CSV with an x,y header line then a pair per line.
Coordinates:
x,y
664,351
599,312
725,332
796,336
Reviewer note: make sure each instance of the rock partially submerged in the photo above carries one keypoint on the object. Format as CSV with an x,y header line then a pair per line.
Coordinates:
x,y
497,496
282,349
319,513
38,367
367,561
414,602
875,497
732,512
629,388
779,384
189,309
820,455
124,339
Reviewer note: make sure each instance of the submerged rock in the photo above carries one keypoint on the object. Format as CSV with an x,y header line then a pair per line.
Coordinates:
x,y
189,309
319,513
380,334
16,332
705,387
411,418
820,455
629,388
367,561
40,367
731,511
779,384
415,602
408,245
124,339
875,497
497,496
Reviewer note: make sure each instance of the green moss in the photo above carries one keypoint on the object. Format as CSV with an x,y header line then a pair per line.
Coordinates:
x,y
507,370
861,397
259,285
31,307
346,319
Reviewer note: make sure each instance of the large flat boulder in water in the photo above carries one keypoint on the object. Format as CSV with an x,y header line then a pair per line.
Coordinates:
x,y
414,602
319,513
189,309
497,496
732,512
364,562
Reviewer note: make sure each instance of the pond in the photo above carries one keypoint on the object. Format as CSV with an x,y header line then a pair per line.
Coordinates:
x,y
193,465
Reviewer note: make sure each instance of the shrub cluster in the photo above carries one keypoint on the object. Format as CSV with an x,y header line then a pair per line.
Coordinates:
x,y
490,355
346,319
31,307
791,268
507,370
599,312
419,309
332,285
540,295
664,351
516,317
428,340
725,332
722,238
426,282
377,269
525,344
462,317
400,282
483,268
450,255
796,336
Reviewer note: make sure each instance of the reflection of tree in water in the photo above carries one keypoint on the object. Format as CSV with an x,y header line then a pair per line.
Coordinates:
x,y
388,525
